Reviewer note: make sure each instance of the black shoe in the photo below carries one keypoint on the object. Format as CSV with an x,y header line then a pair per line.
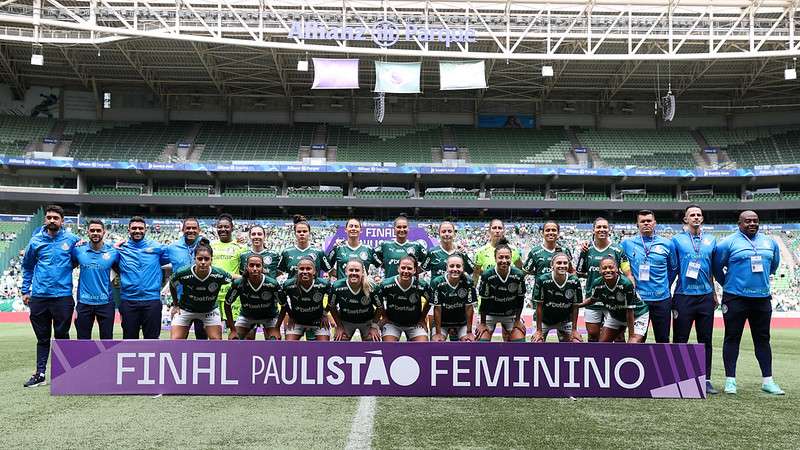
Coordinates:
x,y
36,379
710,388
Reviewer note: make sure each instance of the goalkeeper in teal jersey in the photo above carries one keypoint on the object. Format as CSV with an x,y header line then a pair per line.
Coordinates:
x,y
389,253
259,295
353,305
557,296
622,305
343,252
453,301
540,256
200,284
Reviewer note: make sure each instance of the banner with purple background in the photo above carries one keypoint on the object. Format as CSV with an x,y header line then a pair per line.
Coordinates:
x,y
373,235
381,369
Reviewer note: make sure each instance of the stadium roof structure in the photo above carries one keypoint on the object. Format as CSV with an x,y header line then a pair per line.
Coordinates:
x,y
725,54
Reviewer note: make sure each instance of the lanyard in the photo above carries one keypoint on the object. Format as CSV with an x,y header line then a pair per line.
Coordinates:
x,y
755,250
698,246
646,248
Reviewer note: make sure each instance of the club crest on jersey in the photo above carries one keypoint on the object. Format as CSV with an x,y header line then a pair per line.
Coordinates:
x,y
268,260
620,297
569,293
148,250
513,287
313,256
410,250
318,297
363,256
213,287
413,298
266,295
462,293
364,300
65,246
106,256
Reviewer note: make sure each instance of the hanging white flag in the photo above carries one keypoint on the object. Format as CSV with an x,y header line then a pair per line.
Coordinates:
x,y
397,78
462,75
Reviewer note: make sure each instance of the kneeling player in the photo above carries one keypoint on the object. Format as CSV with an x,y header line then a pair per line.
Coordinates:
x,y
557,296
259,296
302,300
623,307
502,290
401,297
353,306
200,284
453,300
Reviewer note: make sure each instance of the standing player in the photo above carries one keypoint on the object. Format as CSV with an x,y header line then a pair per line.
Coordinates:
x,y
694,299
302,300
259,295
589,267
502,291
343,252
750,258
484,257
389,253
227,253
436,258
302,249
402,299
557,296
652,260
540,256
95,299
201,284
141,279
453,301
181,254
353,305
269,258
47,286
623,307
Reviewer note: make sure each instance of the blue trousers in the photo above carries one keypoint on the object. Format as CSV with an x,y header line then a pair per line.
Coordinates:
x,y
87,314
660,317
49,316
736,311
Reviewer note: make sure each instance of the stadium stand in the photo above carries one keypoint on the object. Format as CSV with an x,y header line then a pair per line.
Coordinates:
x,y
666,148
255,142
450,194
756,146
516,194
315,192
383,193
250,191
123,141
545,146
17,132
391,144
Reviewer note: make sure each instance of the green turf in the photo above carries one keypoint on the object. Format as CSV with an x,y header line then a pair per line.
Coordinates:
x,y
32,418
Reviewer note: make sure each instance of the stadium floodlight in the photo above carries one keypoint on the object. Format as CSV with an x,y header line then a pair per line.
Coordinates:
x,y
547,71
302,65
790,74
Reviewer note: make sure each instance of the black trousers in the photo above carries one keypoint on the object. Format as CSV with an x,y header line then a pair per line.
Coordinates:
x,y
660,318
49,316
144,316
757,312
87,314
698,310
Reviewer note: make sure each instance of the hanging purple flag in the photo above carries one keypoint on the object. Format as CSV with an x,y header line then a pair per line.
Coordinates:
x,y
335,73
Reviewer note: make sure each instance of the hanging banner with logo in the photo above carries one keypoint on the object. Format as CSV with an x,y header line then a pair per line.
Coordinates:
x,y
373,235
335,73
397,78
361,368
462,75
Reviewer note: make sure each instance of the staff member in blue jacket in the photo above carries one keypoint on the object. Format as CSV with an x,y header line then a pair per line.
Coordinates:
x,y
47,286
652,260
181,254
141,280
95,299
694,300
743,263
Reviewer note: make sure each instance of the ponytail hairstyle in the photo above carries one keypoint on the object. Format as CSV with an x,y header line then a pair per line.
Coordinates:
x,y
501,244
463,274
401,216
299,219
409,257
366,285
204,247
553,259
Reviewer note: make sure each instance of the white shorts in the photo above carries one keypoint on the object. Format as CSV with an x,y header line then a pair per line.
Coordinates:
x,y
593,315
300,330
456,332
506,321
640,323
244,322
563,330
363,328
185,318
391,329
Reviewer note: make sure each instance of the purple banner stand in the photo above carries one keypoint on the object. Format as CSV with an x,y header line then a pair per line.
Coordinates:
x,y
359,368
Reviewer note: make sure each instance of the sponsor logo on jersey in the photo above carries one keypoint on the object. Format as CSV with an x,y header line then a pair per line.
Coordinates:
x,y
106,256
65,246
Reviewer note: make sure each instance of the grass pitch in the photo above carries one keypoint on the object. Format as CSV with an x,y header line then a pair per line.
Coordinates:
x,y
32,418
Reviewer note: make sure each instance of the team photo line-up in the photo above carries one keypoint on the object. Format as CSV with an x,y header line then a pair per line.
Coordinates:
x,y
645,280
